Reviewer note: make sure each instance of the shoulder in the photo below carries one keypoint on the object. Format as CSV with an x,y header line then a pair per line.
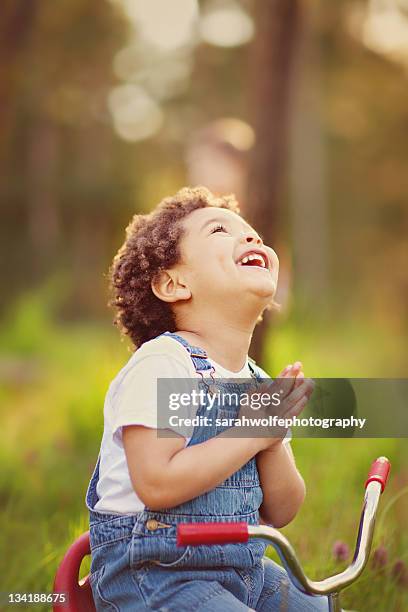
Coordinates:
x,y
163,346
162,356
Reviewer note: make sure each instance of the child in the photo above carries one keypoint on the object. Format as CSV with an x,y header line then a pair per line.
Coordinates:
x,y
190,283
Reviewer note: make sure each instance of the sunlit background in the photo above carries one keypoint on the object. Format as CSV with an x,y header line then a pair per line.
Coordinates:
x,y
301,110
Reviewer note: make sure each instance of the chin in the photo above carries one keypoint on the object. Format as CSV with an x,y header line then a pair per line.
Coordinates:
x,y
266,298
265,290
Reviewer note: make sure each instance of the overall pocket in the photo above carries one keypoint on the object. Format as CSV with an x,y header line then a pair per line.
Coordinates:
x,y
180,560
157,550
101,600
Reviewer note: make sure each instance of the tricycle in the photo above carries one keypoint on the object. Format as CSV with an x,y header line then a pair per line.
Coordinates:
x,y
78,593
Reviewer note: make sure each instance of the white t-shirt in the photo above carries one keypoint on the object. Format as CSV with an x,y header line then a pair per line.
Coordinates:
x,y
132,400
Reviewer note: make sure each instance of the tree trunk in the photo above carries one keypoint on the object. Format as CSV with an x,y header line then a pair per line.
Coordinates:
x,y
308,189
41,177
16,21
272,63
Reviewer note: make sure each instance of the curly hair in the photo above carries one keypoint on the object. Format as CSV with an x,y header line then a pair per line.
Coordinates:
x,y
152,245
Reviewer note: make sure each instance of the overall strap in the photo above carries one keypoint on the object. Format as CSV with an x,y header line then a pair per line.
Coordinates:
x,y
200,360
254,370
198,355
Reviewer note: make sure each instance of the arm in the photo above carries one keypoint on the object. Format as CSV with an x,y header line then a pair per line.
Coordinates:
x,y
165,474
282,486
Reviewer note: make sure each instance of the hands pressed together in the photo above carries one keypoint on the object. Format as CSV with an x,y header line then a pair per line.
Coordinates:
x,y
291,390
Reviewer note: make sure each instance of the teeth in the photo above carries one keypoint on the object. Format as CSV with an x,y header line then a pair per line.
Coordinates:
x,y
251,257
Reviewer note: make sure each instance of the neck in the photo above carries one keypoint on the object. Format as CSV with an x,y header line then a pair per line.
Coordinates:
x,y
225,340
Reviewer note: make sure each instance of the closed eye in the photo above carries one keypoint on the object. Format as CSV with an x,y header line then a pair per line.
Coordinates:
x,y
218,228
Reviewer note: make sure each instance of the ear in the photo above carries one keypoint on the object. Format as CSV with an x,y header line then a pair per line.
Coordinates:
x,y
168,286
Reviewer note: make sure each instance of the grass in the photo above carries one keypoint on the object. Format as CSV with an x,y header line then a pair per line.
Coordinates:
x,y
54,381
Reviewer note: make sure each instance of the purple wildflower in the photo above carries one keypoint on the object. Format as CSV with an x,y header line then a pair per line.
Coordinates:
x,y
400,572
340,550
380,557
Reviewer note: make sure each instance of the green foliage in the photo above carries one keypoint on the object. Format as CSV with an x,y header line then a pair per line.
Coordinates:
x,y
28,327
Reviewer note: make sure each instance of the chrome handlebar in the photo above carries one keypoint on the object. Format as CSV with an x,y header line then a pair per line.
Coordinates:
x,y
195,534
335,583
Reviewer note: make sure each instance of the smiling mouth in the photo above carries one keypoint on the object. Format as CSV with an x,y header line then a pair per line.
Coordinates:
x,y
254,260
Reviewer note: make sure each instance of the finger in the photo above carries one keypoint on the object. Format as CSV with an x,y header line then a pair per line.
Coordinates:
x,y
297,408
291,370
298,392
295,372
309,387
284,371
307,383
296,368
281,384
289,382
286,385
299,379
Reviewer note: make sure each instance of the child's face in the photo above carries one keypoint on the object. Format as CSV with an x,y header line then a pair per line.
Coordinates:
x,y
223,258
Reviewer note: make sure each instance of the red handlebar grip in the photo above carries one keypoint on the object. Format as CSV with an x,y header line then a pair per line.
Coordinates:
x,y
380,468
194,534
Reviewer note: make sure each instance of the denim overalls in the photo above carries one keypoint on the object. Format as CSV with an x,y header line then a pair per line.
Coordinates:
x,y
136,564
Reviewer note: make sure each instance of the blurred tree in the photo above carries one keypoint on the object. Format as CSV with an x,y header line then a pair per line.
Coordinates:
x,y
16,22
308,202
71,180
272,63
57,149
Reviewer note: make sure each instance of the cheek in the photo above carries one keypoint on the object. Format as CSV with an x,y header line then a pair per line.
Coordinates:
x,y
214,270
201,276
274,259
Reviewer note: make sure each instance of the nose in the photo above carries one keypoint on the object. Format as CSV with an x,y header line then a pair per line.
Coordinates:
x,y
251,237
